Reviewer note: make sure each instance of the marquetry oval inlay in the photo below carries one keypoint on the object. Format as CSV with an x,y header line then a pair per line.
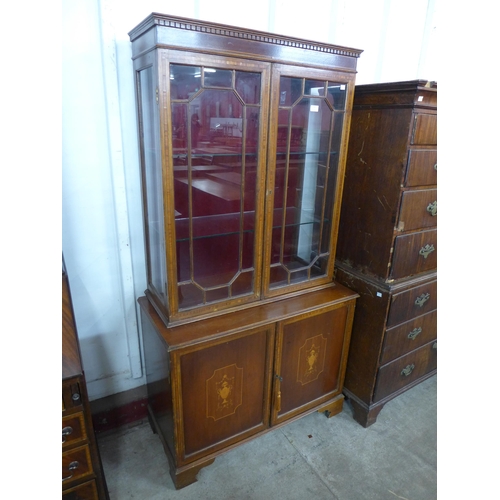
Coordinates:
x,y
224,392
311,359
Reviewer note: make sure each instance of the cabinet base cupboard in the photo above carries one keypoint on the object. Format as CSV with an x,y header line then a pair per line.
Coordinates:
x,y
242,139
219,382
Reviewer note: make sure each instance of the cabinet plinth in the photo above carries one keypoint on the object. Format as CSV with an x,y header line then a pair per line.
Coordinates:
x,y
387,244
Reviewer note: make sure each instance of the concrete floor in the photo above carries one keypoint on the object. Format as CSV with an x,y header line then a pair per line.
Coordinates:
x,y
314,457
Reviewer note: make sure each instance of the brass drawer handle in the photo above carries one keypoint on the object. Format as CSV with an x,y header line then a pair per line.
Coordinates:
x,y
432,208
66,432
407,370
72,466
420,301
413,334
425,251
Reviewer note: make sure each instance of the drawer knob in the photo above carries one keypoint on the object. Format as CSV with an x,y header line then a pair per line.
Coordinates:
x,y
425,251
420,301
432,208
72,466
435,166
407,370
435,346
66,432
413,334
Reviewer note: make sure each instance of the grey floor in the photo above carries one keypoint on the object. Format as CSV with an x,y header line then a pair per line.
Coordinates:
x,y
314,457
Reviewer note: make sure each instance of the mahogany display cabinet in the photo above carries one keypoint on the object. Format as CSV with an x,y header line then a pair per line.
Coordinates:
x,y
387,246
243,139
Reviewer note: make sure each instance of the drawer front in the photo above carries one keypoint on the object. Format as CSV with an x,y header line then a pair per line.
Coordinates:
x,y
414,253
418,210
71,396
73,429
85,491
422,168
76,464
411,335
424,129
403,371
426,98
412,303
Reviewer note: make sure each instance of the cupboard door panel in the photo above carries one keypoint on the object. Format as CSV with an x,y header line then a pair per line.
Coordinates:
x,y
225,392
310,357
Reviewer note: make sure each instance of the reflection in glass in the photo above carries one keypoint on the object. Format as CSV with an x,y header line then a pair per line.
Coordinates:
x,y
310,119
215,119
218,78
153,179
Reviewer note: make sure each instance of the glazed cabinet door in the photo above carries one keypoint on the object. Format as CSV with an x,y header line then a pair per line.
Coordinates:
x,y
223,392
208,190
308,130
311,351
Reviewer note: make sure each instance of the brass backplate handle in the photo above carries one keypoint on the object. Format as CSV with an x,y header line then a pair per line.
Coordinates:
x,y
432,208
407,370
72,466
66,432
413,334
420,301
425,251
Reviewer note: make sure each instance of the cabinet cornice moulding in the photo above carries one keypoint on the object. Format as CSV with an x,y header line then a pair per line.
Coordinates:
x,y
236,32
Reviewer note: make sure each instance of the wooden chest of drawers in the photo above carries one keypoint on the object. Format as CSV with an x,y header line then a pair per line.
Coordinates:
x,y
387,246
82,474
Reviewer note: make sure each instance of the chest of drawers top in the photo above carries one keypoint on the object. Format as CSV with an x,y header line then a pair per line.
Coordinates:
x,y
414,93
389,208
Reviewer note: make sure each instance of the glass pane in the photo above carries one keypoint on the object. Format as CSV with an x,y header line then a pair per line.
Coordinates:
x,y
337,93
290,90
332,176
248,87
308,141
284,131
215,145
218,78
152,172
252,121
184,81
314,87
